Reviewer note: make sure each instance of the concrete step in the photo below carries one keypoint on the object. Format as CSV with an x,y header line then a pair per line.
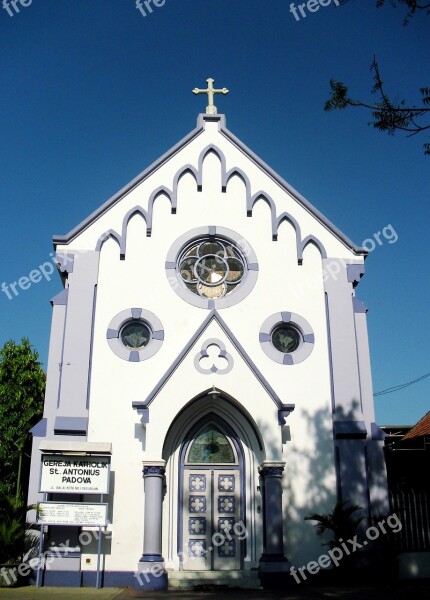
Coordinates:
x,y
189,580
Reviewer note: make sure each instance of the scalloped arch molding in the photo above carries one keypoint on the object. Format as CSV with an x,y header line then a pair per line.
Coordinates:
x,y
226,176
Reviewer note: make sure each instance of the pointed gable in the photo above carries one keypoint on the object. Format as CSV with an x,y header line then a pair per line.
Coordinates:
x,y
202,353
211,138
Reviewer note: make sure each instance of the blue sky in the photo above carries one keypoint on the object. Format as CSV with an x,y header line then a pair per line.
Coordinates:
x,y
92,92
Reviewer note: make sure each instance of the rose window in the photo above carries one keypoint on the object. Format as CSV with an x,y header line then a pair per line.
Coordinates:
x,y
211,267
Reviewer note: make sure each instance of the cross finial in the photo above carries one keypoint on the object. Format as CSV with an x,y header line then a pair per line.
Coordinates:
x,y
210,91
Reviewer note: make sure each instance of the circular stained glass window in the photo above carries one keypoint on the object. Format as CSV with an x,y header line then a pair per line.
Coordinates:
x,y
211,267
286,338
135,334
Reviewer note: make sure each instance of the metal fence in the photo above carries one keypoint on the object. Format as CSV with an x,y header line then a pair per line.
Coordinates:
x,y
413,509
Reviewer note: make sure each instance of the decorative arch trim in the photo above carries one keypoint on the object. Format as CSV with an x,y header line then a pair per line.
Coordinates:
x,y
202,120
226,409
160,191
179,174
310,239
211,149
236,172
275,228
111,234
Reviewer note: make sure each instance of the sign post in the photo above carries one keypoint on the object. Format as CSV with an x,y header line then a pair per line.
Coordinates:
x,y
74,474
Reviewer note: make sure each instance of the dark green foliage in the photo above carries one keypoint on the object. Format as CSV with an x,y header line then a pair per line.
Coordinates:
x,y
16,539
339,98
22,385
342,523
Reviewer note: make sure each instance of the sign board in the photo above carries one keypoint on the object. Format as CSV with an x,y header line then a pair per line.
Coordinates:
x,y
72,513
67,474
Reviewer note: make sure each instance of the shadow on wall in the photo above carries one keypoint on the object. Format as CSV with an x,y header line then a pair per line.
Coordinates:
x,y
362,474
311,464
319,471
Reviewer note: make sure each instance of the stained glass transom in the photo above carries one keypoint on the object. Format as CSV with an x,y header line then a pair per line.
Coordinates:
x,y
211,446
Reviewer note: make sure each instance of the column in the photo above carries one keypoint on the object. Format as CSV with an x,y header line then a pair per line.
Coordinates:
x,y
151,573
272,559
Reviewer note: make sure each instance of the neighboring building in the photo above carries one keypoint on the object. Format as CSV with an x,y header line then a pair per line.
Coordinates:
x,y
209,333
407,455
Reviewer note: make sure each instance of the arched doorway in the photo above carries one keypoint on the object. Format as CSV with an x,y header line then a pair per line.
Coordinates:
x,y
211,486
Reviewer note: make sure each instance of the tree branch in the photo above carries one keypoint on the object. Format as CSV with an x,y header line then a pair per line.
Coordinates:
x,y
388,116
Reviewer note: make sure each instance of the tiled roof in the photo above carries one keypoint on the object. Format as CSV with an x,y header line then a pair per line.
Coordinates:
x,y
421,428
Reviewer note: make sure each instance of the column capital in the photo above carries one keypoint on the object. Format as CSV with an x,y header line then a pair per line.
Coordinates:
x,y
154,468
271,469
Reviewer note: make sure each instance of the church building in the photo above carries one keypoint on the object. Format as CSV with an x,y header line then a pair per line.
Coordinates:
x,y
209,354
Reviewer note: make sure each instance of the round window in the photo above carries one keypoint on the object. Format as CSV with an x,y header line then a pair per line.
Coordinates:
x,y
211,267
286,338
135,334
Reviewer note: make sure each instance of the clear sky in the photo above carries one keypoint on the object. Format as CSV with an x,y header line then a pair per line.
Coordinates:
x,y
93,91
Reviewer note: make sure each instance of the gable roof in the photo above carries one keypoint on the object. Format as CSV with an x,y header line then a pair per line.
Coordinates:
x,y
202,118
420,429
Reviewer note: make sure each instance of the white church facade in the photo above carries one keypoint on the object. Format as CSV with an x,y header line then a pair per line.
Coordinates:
x,y
210,343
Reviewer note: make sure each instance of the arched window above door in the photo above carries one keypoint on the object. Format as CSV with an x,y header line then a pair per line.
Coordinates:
x,y
210,445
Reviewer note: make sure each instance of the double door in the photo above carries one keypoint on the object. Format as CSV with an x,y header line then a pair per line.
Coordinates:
x,y
211,525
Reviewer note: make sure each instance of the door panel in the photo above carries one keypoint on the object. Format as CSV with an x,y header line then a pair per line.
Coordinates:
x,y
226,495
196,523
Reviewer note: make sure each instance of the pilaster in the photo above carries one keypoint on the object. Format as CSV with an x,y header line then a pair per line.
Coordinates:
x,y
272,560
72,415
151,572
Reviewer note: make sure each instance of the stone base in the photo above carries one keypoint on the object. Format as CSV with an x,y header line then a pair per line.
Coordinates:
x,y
199,580
151,576
273,571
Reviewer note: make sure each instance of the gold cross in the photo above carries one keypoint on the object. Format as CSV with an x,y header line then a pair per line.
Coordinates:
x,y
210,91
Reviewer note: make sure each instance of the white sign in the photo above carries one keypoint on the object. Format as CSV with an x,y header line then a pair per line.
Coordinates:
x,y
72,513
68,474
